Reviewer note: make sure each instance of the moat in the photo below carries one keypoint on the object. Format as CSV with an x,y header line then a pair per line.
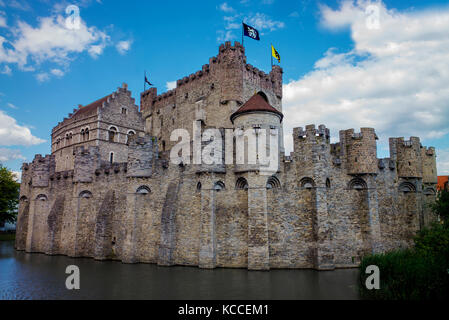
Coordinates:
x,y
38,276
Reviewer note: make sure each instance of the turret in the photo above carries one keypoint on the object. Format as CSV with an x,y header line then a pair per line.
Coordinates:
x,y
42,168
429,165
253,121
86,161
311,150
359,151
142,152
276,79
229,68
408,157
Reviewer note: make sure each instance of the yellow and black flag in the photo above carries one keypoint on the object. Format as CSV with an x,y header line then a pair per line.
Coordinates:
x,y
275,54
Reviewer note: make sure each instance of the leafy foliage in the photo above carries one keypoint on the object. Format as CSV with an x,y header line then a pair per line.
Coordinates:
x,y
9,196
419,273
441,205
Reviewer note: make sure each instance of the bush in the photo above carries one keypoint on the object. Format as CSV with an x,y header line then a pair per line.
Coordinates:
x,y
419,273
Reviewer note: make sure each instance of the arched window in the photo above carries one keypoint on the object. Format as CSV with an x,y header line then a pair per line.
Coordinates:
x,y
241,184
219,186
82,135
113,133
273,183
407,187
429,191
357,184
111,157
307,183
129,135
85,194
328,183
23,199
143,190
41,197
87,134
163,145
198,186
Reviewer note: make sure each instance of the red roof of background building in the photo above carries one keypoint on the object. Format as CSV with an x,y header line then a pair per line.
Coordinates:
x,y
256,103
442,181
90,107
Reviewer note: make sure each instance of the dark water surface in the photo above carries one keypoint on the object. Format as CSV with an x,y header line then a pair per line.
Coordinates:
x,y
38,276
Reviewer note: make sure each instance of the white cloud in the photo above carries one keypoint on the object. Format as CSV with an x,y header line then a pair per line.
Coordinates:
x,y
12,134
123,46
12,106
17,175
10,154
2,20
395,79
259,21
57,72
223,36
263,22
226,8
50,41
171,85
19,5
443,162
42,77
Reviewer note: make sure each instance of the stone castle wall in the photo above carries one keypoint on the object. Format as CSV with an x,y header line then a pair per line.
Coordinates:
x,y
326,207
313,214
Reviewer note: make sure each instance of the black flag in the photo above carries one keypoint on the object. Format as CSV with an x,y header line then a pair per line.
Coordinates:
x,y
146,80
250,32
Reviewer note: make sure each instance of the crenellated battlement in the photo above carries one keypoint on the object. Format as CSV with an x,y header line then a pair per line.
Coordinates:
x,y
408,156
359,151
311,131
41,169
87,160
143,151
216,73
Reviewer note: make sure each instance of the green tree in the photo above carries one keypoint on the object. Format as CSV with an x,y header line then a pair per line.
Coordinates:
x,y
9,196
441,205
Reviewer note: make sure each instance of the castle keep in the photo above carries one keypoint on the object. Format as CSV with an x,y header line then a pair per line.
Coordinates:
x,y
109,190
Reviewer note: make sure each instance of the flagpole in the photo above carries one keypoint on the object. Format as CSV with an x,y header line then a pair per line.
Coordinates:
x,y
242,34
144,82
271,55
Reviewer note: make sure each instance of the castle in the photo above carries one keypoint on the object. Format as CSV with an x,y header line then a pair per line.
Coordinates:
x,y
109,190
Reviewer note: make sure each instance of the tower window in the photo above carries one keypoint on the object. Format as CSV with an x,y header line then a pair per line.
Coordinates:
x,y
124,111
112,134
86,133
111,157
130,134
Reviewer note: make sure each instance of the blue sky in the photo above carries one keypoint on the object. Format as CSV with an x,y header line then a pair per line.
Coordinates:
x,y
391,77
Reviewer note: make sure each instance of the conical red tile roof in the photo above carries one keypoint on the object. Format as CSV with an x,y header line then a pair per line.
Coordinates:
x,y
256,103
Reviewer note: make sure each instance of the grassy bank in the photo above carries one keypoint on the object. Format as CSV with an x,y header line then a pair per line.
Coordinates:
x,y
419,273
7,236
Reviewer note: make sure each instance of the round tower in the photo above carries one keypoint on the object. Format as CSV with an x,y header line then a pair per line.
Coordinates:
x,y
257,135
